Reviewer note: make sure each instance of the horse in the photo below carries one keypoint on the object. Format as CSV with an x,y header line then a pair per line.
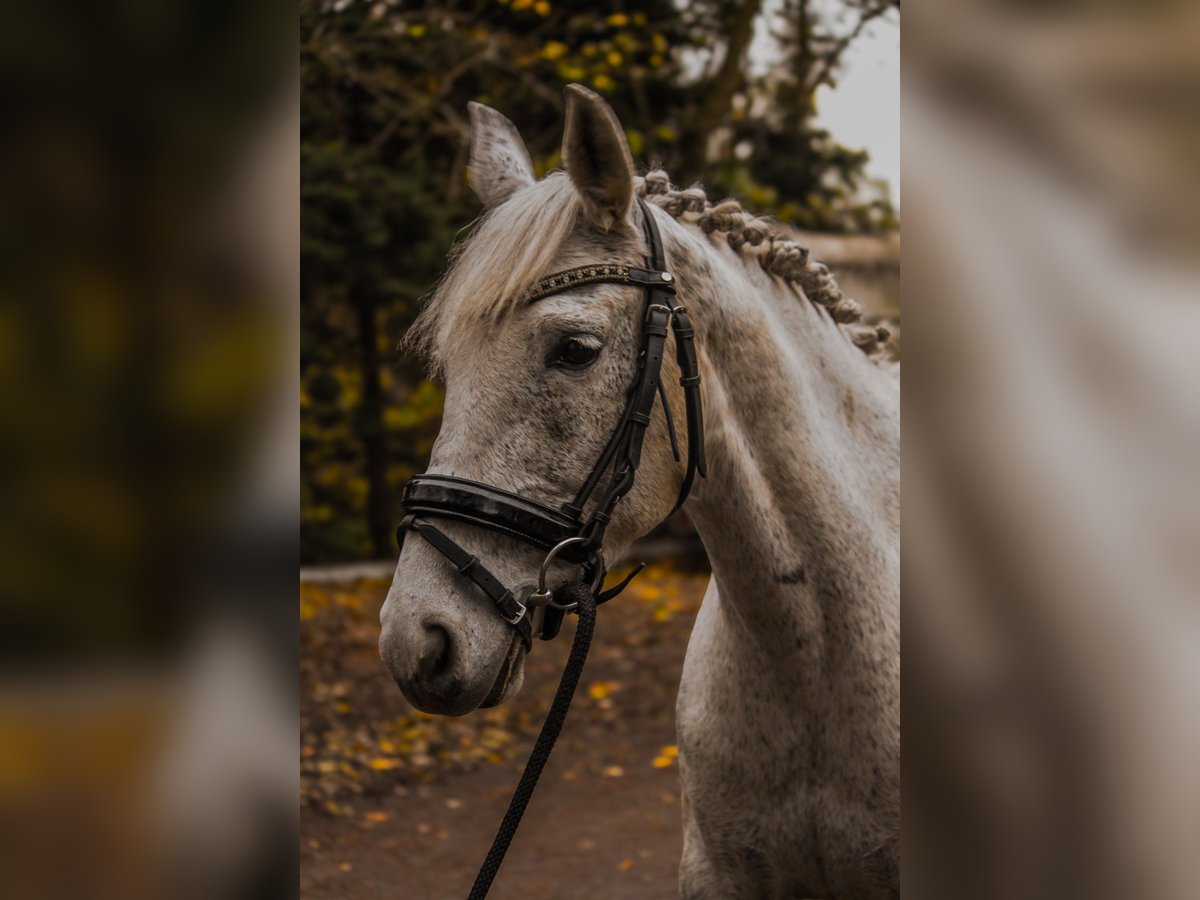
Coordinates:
x,y
788,712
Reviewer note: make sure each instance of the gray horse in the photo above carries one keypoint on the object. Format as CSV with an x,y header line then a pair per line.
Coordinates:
x,y
789,705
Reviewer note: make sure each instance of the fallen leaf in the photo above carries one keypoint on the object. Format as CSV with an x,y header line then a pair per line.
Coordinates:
x,y
377,816
625,865
661,762
598,690
613,771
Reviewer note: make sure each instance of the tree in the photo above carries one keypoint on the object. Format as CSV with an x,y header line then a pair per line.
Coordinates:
x,y
384,145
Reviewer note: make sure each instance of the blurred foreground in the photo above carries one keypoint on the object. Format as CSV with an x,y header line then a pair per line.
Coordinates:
x,y
1051,442
149,271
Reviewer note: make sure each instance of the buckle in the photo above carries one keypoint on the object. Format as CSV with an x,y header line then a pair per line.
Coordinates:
x,y
521,610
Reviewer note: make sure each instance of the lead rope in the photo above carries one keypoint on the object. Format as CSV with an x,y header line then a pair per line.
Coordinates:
x,y
579,593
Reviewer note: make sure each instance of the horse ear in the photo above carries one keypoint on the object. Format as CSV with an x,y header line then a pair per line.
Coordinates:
x,y
597,158
500,163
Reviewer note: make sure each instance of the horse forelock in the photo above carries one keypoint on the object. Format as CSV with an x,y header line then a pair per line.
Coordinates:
x,y
512,246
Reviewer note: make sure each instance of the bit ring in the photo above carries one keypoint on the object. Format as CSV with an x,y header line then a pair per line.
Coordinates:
x,y
542,590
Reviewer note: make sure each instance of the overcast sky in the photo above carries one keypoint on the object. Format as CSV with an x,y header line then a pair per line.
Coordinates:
x,y
864,111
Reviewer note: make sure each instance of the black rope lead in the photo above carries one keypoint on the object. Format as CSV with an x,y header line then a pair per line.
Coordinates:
x,y
574,593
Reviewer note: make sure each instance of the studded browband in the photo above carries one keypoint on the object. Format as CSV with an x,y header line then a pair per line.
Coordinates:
x,y
583,275
565,532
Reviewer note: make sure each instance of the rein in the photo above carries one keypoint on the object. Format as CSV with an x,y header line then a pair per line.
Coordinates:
x,y
565,532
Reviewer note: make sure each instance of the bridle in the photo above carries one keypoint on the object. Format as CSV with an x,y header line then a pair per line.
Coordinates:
x,y
565,532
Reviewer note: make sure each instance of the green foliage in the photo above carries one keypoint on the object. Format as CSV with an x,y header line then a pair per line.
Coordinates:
x,y
384,146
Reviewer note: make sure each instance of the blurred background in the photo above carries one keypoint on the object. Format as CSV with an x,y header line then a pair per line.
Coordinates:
x,y
734,95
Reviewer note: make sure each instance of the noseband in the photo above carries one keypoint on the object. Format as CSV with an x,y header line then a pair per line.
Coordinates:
x,y
565,533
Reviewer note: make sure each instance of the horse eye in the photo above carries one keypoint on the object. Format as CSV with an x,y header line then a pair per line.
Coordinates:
x,y
576,353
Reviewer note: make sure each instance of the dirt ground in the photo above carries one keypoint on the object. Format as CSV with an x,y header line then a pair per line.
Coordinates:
x,y
403,806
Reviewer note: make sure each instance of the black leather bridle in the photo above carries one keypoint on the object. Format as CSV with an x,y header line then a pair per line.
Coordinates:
x,y
565,532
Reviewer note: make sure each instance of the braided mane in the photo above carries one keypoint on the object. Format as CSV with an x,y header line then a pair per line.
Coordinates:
x,y
778,254
489,272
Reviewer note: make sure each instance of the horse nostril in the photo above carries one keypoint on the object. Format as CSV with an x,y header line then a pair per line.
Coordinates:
x,y
437,653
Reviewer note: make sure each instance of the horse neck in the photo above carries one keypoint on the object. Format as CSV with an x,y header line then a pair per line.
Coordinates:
x,y
800,509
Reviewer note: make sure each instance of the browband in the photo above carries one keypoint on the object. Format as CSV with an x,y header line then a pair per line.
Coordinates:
x,y
583,275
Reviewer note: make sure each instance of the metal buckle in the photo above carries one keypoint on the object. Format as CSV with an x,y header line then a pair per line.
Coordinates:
x,y
516,619
661,308
543,596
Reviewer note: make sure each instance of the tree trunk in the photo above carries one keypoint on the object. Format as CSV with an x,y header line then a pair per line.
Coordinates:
x,y
717,93
369,428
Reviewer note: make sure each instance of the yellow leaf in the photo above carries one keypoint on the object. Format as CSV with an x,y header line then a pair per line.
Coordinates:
x,y
416,31
617,20
598,690
614,58
554,50
345,866
377,816
670,750
387,746
542,8
613,771
603,83
625,865
350,601
383,764
661,762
